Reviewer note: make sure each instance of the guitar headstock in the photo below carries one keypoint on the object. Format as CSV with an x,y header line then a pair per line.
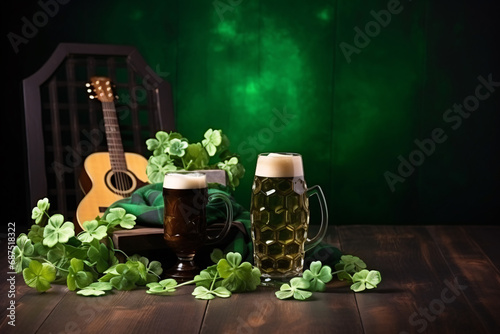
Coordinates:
x,y
100,88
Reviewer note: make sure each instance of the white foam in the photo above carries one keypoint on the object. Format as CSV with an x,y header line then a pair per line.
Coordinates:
x,y
279,165
185,181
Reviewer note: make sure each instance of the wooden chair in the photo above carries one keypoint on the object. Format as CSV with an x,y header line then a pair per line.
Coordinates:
x,y
63,126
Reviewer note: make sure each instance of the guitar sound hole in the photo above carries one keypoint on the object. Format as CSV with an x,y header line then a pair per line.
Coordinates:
x,y
122,183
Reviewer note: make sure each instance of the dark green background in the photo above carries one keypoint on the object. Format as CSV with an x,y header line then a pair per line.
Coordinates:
x,y
236,65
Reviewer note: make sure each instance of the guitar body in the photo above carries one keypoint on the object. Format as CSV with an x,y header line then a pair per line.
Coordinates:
x,y
103,186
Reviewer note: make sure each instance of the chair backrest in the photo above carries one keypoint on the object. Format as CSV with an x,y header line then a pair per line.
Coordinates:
x,y
63,126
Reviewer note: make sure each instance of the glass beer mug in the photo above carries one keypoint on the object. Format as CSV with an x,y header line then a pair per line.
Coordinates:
x,y
185,196
279,213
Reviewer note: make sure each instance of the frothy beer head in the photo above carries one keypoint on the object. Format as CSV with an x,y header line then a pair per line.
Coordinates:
x,y
185,181
279,165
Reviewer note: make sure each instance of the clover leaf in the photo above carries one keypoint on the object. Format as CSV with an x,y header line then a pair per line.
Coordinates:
x,y
144,276
196,157
160,144
296,289
158,166
101,256
177,147
118,216
162,287
201,292
57,231
95,289
126,278
35,233
213,138
318,276
77,277
351,264
238,277
92,231
207,276
234,170
365,279
23,249
39,275
39,211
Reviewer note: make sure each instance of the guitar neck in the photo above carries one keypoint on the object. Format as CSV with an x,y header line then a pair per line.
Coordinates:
x,y
113,137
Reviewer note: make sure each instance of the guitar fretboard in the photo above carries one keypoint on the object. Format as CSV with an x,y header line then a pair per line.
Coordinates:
x,y
113,137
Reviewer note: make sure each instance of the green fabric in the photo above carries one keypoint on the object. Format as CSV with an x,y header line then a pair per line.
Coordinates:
x,y
146,204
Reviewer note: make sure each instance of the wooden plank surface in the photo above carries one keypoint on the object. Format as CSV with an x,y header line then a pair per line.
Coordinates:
x,y
415,293
127,312
479,277
435,279
262,312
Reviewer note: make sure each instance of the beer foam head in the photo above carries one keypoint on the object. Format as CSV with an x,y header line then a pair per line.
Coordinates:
x,y
185,181
279,165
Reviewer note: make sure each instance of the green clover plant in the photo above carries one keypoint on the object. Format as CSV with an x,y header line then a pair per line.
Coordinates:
x,y
171,152
86,263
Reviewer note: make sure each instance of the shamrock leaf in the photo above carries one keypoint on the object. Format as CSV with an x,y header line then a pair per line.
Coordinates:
x,y
160,144
207,276
58,257
95,289
101,256
177,147
350,264
163,287
196,157
365,279
234,170
201,292
57,231
158,166
126,278
318,276
38,213
36,233
92,231
296,289
238,277
118,216
39,275
144,276
155,268
213,138
23,249
77,277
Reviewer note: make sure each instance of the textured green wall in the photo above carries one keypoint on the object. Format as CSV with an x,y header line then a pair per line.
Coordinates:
x,y
299,76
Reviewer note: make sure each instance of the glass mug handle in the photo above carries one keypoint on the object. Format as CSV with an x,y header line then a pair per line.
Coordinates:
x,y
311,243
229,218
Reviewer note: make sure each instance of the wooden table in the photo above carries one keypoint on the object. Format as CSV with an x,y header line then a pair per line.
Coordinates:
x,y
435,279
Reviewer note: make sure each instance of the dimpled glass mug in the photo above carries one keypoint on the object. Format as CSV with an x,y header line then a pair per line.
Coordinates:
x,y
279,213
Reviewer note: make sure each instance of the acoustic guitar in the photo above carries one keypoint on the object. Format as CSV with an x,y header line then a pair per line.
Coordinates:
x,y
108,176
